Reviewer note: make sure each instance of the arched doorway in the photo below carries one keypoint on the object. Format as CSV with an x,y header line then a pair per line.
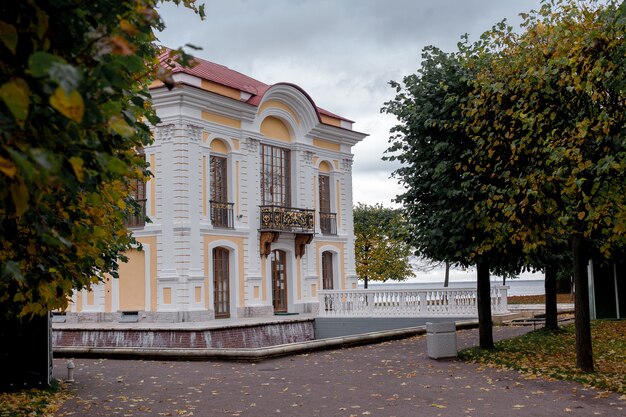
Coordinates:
x,y
279,280
221,283
327,270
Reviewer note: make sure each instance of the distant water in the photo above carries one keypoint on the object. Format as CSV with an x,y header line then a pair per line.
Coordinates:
x,y
516,286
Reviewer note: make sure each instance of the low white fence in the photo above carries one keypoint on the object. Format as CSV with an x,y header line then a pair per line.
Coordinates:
x,y
440,302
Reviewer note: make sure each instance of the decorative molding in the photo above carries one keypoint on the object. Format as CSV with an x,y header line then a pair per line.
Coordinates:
x,y
251,145
164,133
266,242
194,133
301,241
308,157
346,165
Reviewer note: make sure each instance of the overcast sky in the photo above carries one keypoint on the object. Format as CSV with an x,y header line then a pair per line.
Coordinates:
x,y
342,52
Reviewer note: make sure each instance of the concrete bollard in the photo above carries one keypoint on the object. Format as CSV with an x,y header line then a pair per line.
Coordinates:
x,y
441,340
70,371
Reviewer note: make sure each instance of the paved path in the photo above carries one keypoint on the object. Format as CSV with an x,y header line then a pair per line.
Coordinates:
x,y
394,378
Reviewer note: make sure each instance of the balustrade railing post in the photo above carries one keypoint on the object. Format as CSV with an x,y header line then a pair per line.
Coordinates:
x,y
423,302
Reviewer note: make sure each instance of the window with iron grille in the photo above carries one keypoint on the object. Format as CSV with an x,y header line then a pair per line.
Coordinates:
x,y
328,220
219,179
138,194
275,176
324,187
221,209
137,189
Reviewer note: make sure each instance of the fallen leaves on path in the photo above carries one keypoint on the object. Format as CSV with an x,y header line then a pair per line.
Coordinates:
x,y
551,354
34,402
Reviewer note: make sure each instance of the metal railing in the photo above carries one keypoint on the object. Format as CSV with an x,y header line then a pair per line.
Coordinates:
x,y
328,223
222,215
287,219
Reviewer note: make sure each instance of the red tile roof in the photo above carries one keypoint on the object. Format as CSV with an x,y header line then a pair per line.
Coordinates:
x,y
223,75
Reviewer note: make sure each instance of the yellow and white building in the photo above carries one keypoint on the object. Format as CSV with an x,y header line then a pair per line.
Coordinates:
x,y
250,205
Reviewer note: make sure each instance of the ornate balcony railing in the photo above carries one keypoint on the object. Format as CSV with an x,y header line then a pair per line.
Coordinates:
x,y
287,219
328,223
222,215
441,302
137,220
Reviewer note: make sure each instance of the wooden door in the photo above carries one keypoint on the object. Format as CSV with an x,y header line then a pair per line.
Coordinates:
x,y
327,270
279,281
221,283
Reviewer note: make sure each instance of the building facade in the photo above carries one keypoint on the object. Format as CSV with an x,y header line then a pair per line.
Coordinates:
x,y
250,205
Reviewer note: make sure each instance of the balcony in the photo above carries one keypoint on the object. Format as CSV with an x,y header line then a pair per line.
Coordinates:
x,y
222,215
287,219
328,223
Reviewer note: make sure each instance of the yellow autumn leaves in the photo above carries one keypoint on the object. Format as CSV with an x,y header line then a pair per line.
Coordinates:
x,y
550,355
70,105
34,402
16,96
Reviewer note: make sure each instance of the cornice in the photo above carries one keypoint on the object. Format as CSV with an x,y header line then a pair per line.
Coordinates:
x,y
337,134
202,100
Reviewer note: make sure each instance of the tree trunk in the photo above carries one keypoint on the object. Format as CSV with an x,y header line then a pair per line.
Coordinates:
x,y
551,310
485,330
584,352
446,279
365,282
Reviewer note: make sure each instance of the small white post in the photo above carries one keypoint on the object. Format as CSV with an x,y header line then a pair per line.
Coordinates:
x,y
504,299
70,371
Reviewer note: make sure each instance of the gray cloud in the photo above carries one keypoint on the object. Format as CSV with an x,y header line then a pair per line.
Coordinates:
x,y
343,53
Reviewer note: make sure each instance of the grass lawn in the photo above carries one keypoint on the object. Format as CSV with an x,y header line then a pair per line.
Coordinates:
x,y
547,354
539,299
33,402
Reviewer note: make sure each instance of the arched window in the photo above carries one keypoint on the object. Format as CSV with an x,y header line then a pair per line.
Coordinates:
x,y
221,209
328,219
275,176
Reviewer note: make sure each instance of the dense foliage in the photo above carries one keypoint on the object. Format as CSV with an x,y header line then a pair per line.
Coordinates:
x,y
434,148
548,118
380,246
74,111
513,148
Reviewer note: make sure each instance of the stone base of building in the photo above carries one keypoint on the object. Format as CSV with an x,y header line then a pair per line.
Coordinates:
x,y
86,317
176,316
140,316
306,308
255,335
256,311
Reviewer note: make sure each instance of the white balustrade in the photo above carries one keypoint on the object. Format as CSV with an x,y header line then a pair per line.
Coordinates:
x,y
440,302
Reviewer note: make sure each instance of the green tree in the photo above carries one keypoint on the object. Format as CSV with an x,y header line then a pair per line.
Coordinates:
x,y
548,122
433,147
380,246
74,110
